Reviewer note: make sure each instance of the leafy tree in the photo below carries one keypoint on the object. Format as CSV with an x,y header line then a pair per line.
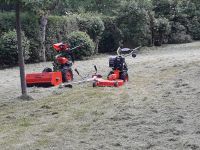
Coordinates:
x,y
42,8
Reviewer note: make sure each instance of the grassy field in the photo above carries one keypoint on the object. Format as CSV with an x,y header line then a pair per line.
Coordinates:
x,y
157,109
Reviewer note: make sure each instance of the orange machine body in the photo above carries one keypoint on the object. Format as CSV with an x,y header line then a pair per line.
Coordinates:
x,y
45,78
108,83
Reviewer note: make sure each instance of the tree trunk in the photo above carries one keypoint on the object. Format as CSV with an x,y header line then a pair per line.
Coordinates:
x,y
96,46
20,52
151,28
43,24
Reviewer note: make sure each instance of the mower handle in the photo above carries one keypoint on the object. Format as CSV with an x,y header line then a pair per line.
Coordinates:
x,y
77,71
133,51
76,47
95,67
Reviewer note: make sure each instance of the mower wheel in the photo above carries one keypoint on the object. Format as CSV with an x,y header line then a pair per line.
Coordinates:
x,y
111,72
47,69
67,75
124,76
94,84
116,84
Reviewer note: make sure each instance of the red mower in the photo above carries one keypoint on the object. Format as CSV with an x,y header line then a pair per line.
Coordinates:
x,y
61,72
117,76
119,73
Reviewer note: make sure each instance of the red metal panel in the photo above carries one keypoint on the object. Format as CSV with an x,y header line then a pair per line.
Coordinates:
x,y
52,78
109,83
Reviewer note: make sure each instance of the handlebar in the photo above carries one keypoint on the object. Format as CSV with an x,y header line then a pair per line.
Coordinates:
x,y
132,51
76,47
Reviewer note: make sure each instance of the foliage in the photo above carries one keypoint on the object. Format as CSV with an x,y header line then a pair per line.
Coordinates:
x,y
164,8
111,37
58,28
30,26
178,34
161,31
93,26
134,23
8,48
78,38
194,28
107,22
80,6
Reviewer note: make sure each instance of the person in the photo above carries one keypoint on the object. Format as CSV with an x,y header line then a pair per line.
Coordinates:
x,y
65,52
65,68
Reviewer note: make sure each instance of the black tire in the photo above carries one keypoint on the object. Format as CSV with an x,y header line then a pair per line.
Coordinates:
x,y
157,43
116,84
124,76
111,72
64,75
94,84
47,69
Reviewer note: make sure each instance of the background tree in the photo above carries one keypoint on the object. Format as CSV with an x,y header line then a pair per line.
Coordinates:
x,y
43,9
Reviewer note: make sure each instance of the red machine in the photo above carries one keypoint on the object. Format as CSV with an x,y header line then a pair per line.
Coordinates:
x,y
44,79
117,77
119,74
61,72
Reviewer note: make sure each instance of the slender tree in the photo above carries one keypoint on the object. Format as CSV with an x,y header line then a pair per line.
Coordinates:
x,y
42,8
20,55
45,9
20,51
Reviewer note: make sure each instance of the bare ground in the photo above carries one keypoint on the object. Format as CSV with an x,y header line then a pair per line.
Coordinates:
x,y
157,109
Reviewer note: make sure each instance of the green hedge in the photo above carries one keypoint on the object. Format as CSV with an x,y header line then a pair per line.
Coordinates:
x,y
8,48
30,26
111,37
78,38
179,34
161,31
194,28
93,26
134,24
58,28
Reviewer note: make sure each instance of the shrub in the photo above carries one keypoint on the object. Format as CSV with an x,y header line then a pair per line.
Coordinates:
x,y
77,38
163,8
58,28
30,26
111,37
194,28
93,26
178,34
8,48
134,23
161,31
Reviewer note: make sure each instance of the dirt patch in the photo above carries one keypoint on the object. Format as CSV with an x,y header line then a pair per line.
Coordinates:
x,y
157,109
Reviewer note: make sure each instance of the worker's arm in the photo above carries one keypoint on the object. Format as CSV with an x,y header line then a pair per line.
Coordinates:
x,y
58,55
72,56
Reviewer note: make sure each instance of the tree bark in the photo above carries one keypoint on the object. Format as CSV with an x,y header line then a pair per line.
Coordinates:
x,y
20,51
151,28
43,25
97,45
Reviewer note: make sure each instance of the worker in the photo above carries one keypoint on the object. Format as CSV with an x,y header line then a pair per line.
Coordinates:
x,y
65,52
65,68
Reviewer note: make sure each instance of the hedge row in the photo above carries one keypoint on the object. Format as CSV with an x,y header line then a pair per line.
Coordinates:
x,y
8,48
132,27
